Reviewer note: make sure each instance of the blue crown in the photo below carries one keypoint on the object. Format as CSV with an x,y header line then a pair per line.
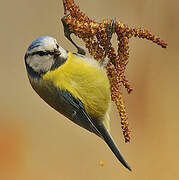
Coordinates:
x,y
38,42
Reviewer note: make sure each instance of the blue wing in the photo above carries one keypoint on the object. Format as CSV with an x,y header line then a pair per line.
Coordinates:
x,y
84,120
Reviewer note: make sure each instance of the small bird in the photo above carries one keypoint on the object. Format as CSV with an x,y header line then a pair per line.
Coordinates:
x,y
74,85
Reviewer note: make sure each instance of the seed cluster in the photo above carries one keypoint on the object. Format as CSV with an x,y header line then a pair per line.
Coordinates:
x,y
95,38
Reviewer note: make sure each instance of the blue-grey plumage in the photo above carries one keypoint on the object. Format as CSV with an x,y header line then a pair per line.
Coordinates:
x,y
74,85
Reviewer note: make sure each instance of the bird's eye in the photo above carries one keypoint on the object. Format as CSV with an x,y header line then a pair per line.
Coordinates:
x,y
57,46
41,53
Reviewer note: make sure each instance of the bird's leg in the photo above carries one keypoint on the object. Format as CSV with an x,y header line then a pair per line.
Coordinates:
x,y
67,34
109,32
110,29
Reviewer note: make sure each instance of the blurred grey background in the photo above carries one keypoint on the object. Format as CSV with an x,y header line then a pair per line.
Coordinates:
x,y
36,142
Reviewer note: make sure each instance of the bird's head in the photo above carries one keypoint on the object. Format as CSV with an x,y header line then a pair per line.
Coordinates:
x,y
44,54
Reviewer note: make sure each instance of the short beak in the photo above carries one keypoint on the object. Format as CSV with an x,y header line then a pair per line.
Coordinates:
x,y
56,53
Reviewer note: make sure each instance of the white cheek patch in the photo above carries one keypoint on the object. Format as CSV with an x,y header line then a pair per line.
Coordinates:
x,y
40,63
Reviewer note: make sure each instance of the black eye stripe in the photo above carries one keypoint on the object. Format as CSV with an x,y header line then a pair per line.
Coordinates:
x,y
43,53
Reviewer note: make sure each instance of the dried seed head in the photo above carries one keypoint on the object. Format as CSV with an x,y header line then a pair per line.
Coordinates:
x,y
94,36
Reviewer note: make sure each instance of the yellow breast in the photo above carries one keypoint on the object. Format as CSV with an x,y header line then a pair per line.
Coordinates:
x,y
85,80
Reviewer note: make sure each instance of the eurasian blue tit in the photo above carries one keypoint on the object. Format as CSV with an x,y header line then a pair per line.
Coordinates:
x,y
74,85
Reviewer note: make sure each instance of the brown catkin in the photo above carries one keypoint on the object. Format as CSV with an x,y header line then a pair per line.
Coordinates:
x,y
94,36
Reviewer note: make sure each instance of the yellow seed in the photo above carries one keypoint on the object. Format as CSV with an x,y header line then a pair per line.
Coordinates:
x,y
102,163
